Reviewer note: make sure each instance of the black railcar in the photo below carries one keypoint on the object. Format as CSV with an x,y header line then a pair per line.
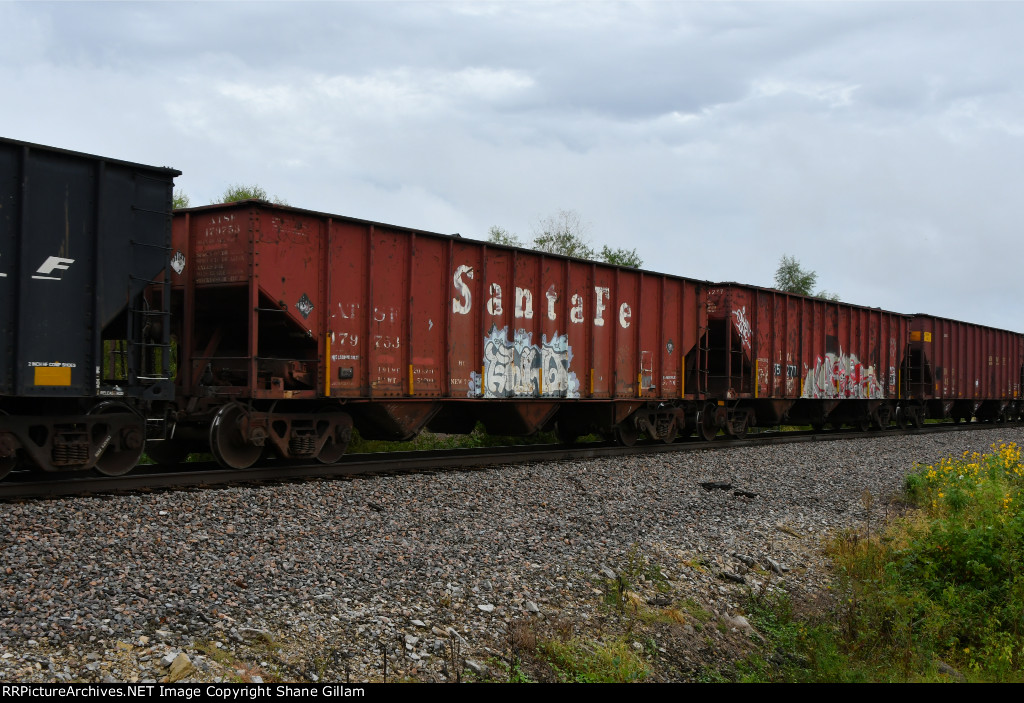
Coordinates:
x,y
82,353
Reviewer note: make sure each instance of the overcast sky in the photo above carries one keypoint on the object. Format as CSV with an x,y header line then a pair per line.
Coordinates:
x,y
882,144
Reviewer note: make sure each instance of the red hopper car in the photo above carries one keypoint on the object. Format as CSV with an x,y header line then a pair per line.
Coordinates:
x,y
294,325
774,357
958,370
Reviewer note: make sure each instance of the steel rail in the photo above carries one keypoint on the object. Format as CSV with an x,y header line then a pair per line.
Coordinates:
x,y
24,485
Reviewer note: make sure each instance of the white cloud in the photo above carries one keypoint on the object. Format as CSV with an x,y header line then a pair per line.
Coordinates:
x,y
831,94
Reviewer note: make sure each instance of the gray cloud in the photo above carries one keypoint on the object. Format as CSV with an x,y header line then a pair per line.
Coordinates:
x,y
879,143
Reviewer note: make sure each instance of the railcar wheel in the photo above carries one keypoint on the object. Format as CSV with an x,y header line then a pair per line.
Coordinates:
x,y
332,451
708,428
168,452
740,429
7,463
901,418
918,420
881,418
626,432
863,424
335,446
231,448
121,447
818,426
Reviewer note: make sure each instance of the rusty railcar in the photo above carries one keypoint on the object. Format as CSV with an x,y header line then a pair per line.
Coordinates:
x,y
961,370
772,357
83,355
294,325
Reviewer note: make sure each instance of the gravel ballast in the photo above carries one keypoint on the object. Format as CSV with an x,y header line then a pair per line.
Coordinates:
x,y
304,581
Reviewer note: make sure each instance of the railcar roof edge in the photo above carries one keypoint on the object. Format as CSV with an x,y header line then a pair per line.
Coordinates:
x,y
769,289
457,236
85,155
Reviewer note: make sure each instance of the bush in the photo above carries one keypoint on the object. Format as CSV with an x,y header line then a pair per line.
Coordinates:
x,y
948,582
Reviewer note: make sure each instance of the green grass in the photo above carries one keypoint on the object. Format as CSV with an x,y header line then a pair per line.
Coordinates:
x,y
938,595
581,661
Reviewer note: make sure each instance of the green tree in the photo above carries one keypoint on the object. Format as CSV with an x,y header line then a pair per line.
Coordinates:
x,y
500,235
790,277
563,233
235,192
180,199
621,257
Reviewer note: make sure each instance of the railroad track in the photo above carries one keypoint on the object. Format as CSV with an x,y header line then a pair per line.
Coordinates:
x,y
20,485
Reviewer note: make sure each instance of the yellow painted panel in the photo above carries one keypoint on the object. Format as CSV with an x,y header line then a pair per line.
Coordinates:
x,y
53,376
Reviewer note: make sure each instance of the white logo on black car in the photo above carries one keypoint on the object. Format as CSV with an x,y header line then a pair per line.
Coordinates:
x,y
53,263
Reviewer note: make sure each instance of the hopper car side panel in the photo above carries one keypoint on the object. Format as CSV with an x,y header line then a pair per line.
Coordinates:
x,y
958,369
398,328
778,357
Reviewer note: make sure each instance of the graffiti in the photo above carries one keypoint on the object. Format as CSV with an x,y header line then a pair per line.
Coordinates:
x,y
840,376
178,262
742,325
519,368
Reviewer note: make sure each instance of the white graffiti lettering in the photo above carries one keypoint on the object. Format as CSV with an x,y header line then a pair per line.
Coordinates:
x,y
518,368
742,325
842,376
